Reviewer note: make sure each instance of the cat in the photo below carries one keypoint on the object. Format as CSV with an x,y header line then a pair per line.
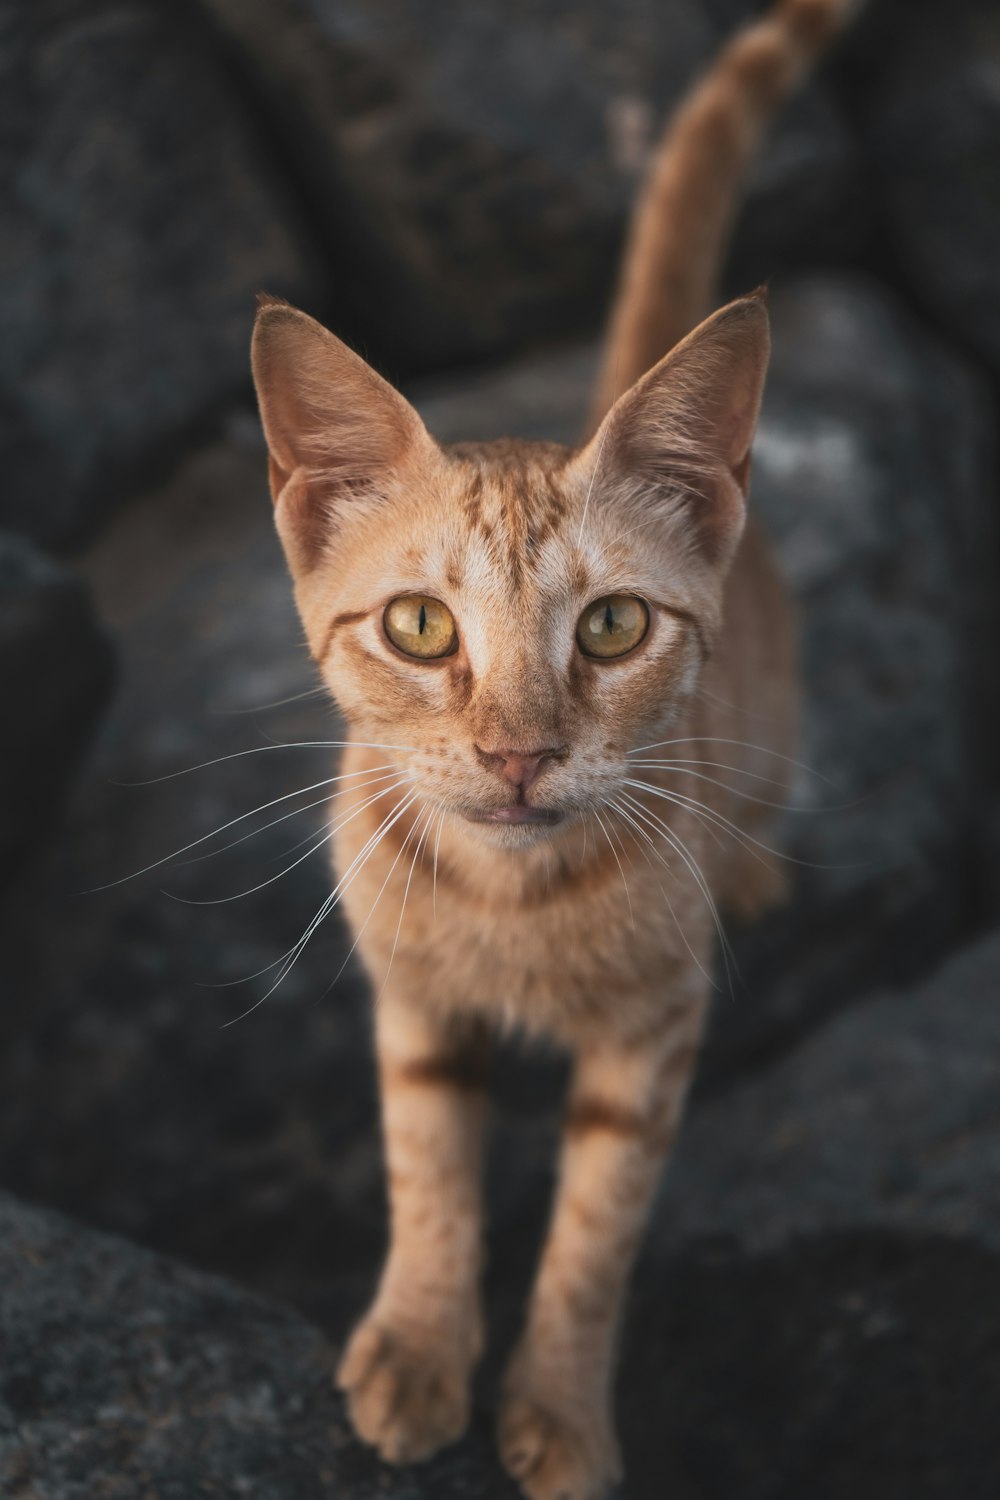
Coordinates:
x,y
546,657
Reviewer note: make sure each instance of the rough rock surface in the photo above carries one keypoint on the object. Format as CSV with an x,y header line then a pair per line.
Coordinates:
x,y
55,676
125,1374
931,120
482,225
886,1118
140,217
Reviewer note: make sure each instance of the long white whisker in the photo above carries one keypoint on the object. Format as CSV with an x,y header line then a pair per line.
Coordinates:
x,y
195,843
618,862
264,750
647,840
330,829
679,765
677,844
327,904
371,913
402,904
708,739
259,708
295,812
324,911
680,799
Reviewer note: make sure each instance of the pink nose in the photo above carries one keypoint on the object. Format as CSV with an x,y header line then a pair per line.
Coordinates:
x,y
521,768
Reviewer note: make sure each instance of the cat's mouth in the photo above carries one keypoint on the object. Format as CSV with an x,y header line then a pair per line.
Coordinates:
x,y
517,812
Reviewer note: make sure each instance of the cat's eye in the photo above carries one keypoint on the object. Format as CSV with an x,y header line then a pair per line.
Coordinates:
x,y
420,626
612,626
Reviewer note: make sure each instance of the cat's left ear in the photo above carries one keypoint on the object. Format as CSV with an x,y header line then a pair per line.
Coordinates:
x,y
334,428
681,437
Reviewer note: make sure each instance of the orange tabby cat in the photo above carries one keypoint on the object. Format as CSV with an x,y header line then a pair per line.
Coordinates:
x,y
542,654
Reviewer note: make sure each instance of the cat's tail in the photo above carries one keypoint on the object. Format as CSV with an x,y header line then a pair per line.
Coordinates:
x,y
681,226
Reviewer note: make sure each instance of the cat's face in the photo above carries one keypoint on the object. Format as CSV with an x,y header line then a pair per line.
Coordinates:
x,y
510,619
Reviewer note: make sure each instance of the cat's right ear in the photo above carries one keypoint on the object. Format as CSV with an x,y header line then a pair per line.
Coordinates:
x,y
334,428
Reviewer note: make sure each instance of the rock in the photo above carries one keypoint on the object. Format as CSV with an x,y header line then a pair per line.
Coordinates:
x,y
873,471
858,1365
931,120
55,677
884,1119
141,216
126,1374
484,223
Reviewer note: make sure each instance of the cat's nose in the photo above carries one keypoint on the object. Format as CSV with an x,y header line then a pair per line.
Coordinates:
x,y
521,768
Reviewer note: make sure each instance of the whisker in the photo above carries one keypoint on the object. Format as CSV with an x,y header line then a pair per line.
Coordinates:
x,y
647,840
406,892
319,802
264,750
242,817
328,905
709,739
667,762
259,708
680,799
371,913
618,862
677,844
330,829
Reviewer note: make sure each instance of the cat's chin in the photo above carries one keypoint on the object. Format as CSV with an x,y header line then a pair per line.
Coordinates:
x,y
520,815
515,827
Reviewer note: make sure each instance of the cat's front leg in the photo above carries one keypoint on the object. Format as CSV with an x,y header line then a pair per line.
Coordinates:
x,y
407,1367
556,1430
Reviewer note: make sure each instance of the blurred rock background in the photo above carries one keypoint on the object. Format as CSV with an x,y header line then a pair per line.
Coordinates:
x,y
818,1306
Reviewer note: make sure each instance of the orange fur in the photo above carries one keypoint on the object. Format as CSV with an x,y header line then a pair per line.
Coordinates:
x,y
596,927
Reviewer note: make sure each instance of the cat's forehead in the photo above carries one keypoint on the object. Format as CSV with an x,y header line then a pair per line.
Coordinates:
x,y
511,491
509,503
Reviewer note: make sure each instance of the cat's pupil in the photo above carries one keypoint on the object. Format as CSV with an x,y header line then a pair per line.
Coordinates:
x,y
423,619
609,618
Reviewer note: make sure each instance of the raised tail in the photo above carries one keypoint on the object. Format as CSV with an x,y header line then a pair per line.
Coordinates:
x,y
680,230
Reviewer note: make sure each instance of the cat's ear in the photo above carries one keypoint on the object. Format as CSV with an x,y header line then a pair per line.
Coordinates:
x,y
334,428
681,436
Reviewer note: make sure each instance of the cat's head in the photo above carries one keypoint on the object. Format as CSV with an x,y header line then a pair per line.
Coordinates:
x,y
511,618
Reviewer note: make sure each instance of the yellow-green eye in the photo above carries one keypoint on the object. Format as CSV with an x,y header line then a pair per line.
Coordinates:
x,y
612,625
420,626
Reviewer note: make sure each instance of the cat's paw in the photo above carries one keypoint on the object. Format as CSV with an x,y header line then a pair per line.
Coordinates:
x,y
555,1455
406,1396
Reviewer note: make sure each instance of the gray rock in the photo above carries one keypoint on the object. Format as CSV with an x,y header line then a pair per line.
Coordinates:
x,y
140,218
55,677
932,126
884,1119
481,162
874,471
125,1374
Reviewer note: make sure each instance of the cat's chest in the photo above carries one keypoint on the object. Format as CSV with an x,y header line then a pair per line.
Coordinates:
x,y
591,949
